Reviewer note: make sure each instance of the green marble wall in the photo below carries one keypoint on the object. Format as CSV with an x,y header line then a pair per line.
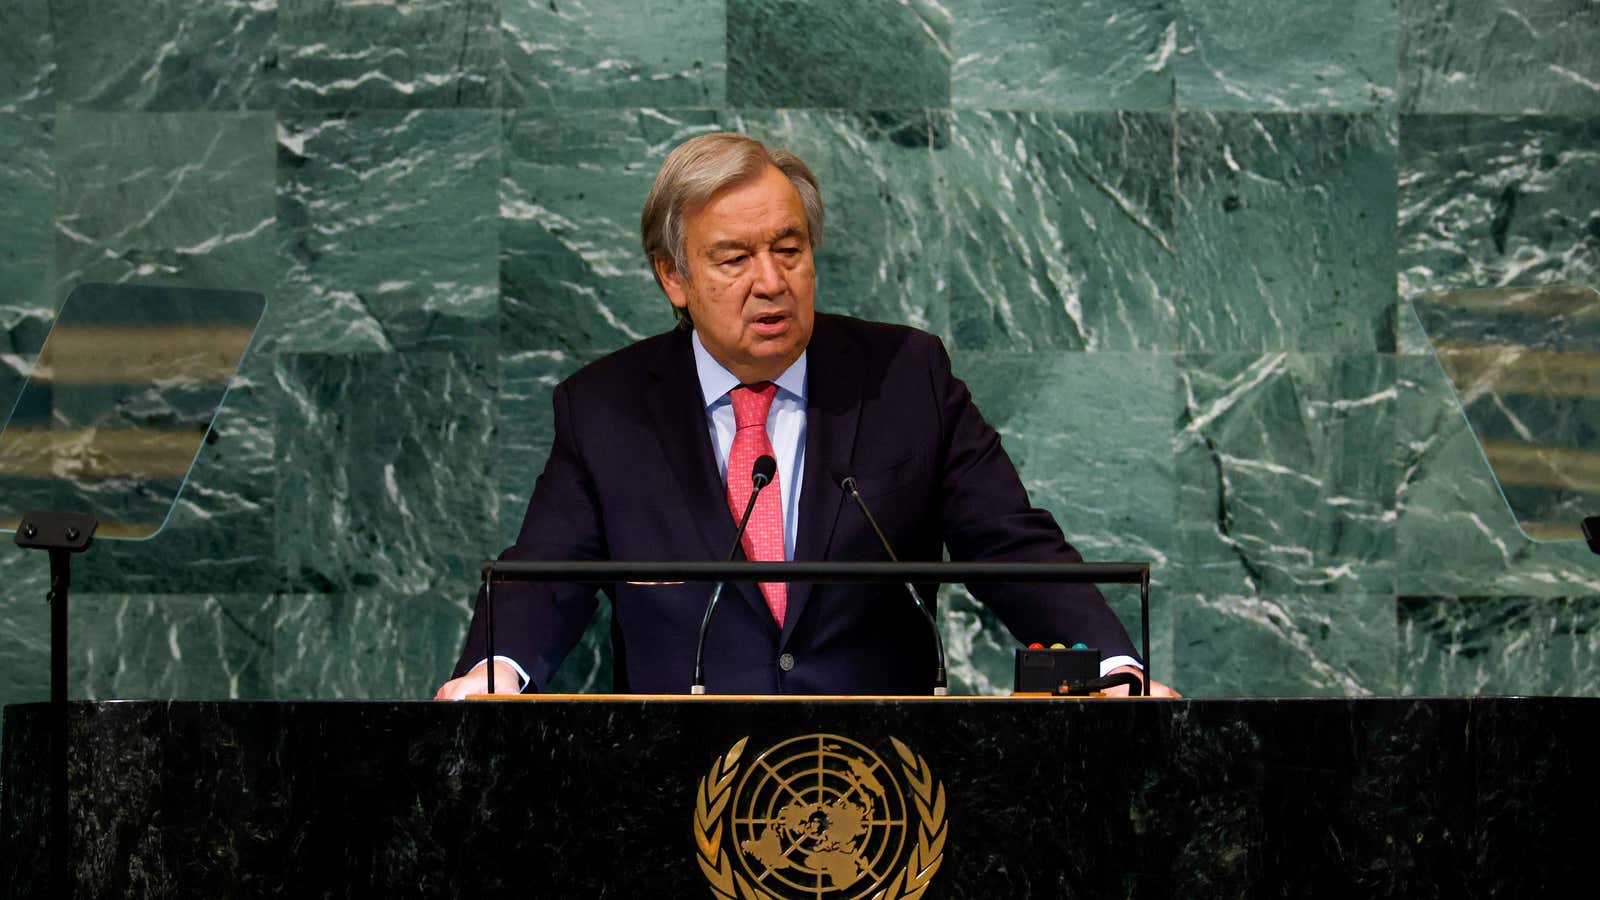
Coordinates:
x,y
1171,246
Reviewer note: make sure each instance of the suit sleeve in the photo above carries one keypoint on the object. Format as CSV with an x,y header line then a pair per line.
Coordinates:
x,y
537,625
986,515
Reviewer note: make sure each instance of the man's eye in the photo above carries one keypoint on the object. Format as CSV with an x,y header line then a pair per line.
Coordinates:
x,y
734,260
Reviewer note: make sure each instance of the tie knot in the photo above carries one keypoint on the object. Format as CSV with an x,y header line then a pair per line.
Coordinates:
x,y
751,402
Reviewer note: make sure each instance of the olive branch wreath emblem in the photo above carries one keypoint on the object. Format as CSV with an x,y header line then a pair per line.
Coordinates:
x,y
716,788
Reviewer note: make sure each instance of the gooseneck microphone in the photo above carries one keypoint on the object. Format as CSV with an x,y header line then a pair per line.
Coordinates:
x,y
760,476
941,686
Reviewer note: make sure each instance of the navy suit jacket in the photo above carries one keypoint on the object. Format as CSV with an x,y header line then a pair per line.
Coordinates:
x,y
633,476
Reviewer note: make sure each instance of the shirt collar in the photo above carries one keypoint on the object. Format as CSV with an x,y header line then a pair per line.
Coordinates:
x,y
716,382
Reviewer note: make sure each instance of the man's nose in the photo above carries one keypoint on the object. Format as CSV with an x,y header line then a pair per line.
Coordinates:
x,y
768,277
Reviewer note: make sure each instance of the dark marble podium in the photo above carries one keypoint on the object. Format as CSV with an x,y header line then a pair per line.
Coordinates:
x,y
597,798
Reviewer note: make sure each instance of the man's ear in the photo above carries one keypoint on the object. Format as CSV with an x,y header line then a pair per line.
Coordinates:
x,y
671,282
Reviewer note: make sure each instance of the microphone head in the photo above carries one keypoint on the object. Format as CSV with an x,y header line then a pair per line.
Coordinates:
x,y
843,479
765,467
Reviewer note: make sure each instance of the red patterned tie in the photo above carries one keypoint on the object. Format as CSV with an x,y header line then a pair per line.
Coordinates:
x,y
763,538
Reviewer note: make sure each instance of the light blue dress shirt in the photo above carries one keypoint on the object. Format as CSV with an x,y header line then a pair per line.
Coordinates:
x,y
786,428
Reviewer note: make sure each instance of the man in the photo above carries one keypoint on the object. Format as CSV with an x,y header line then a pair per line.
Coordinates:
x,y
652,457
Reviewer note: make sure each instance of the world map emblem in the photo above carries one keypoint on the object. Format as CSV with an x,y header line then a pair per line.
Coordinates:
x,y
819,816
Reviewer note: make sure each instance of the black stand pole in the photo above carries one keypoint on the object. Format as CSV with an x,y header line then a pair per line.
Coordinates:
x,y
62,534
1144,630
60,836
488,626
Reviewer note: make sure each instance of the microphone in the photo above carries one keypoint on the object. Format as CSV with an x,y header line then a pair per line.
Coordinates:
x,y
760,476
940,682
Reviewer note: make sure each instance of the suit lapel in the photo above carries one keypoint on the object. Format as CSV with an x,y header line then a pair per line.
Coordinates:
x,y
833,408
680,418
679,410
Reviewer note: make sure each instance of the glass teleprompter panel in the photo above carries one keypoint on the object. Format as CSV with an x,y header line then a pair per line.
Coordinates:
x,y
119,402
1525,365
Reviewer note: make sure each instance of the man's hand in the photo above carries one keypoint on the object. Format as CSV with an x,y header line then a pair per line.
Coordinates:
x,y
1157,689
506,681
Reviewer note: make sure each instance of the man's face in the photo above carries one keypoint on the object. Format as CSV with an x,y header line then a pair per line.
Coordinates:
x,y
751,281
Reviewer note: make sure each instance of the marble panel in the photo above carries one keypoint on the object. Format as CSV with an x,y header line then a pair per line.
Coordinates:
x,y
220,537
171,646
882,248
1500,645
13,374
572,274
169,198
1238,54
356,54
1454,533
525,429
1286,474
365,645
1411,338
27,187
1091,435
24,624
27,63
1286,232
1498,201
1061,230
1499,56
388,227
611,53
24,615
1290,645
838,53
384,478
1048,55
165,54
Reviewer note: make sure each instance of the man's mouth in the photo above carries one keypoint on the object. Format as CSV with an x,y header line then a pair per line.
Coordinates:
x,y
773,323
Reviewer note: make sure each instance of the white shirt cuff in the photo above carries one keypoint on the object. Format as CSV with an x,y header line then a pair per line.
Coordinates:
x,y
521,672
1106,665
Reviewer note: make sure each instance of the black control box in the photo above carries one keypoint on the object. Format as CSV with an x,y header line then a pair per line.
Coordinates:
x,y
1042,671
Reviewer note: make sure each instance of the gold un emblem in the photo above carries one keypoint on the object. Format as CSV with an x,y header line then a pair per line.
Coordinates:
x,y
819,816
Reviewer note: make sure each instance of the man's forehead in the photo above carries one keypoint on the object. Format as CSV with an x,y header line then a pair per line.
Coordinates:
x,y
737,237
767,194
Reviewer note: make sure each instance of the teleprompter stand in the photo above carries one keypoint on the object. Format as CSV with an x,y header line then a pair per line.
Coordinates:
x,y
99,443
62,534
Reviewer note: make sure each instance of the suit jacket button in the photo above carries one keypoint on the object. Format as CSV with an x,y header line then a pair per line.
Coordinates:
x,y
786,661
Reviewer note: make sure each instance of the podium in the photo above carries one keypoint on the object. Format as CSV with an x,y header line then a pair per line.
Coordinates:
x,y
660,797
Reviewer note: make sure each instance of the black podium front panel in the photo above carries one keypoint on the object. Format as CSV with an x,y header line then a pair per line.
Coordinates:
x,y
863,799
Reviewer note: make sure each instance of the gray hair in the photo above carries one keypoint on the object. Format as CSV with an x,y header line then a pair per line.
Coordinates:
x,y
693,173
